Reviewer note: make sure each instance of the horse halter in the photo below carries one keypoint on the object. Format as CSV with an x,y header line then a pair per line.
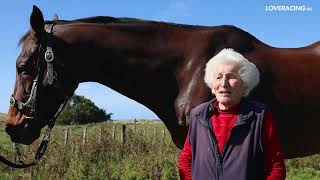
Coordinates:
x,y
29,107
51,75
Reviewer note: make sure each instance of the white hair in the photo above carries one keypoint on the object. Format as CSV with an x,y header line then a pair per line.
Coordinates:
x,y
247,70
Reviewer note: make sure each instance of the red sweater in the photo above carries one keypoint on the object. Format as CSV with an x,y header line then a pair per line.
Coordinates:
x,y
222,123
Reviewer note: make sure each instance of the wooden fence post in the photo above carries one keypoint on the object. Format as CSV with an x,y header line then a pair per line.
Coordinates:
x,y
66,134
144,132
123,139
14,152
163,135
113,132
154,136
84,137
100,135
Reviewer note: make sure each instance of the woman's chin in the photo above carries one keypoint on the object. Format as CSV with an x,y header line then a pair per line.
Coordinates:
x,y
224,99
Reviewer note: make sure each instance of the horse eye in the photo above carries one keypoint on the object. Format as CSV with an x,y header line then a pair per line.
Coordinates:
x,y
24,69
21,69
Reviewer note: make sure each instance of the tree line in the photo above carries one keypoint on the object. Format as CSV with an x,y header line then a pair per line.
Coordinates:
x,y
80,110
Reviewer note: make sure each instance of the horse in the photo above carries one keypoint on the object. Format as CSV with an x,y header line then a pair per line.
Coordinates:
x,y
160,65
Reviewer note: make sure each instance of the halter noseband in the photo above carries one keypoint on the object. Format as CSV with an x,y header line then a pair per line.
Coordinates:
x,y
29,107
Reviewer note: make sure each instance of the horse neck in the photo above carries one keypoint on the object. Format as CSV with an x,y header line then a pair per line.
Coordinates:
x,y
135,61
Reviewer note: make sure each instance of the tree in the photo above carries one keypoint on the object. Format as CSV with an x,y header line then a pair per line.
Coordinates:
x,y
80,110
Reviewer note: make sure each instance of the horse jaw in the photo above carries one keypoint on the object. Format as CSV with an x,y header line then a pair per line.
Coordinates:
x,y
21,128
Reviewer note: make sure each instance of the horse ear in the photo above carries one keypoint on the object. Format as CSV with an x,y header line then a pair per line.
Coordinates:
x,y
55,17
36,20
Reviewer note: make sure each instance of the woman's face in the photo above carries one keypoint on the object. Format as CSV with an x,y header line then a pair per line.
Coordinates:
x,y
228,86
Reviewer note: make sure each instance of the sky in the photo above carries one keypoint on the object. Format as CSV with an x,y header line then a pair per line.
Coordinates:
x,y
279,23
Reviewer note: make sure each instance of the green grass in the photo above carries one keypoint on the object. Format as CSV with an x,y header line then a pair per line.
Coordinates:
x,y
4,138
2,116
5,142
302,173
141,159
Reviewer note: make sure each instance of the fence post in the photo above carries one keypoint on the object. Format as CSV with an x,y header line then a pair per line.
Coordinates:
x,y
14,152
66,133
100,134
113,132
163,135
84,137
123,139
144,131
154,135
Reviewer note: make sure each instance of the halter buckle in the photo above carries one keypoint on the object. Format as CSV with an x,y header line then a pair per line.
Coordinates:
x,y
48,56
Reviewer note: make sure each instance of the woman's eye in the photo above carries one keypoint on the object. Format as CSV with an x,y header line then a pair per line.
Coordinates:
x,y
233,76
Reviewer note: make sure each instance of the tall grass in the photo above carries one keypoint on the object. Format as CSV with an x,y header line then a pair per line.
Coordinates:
x,y
141,159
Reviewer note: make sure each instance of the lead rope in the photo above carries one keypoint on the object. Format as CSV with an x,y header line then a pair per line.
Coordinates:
x,y
43,146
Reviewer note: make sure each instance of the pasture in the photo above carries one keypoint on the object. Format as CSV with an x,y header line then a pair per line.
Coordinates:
x,y
148,153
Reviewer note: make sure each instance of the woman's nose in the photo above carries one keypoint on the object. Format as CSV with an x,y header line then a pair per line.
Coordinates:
x,y
224,82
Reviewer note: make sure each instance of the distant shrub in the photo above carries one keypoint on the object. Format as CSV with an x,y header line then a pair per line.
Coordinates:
x,y
80,110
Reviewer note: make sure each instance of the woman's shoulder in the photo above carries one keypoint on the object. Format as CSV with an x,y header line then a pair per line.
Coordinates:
x,y
202,107
254,105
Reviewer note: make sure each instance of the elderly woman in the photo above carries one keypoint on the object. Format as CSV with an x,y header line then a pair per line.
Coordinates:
x,y
229,137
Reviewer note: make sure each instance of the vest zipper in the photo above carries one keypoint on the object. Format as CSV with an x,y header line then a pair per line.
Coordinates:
x,y
219,156
216,151
226,143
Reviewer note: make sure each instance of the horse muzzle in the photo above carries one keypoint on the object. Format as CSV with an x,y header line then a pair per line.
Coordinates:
x,y
22,129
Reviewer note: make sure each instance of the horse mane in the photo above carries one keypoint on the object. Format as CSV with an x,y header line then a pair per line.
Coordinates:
x,y
126,20
112,20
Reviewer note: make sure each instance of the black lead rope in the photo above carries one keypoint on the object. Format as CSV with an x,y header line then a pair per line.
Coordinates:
x,y
43,145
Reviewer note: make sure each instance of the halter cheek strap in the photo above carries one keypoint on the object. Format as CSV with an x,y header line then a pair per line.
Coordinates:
x,y
49,57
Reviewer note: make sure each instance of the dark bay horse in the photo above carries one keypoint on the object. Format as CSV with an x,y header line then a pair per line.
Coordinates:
x,y
161,65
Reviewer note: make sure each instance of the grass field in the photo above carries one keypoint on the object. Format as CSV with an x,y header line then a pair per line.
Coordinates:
x,y
4,138
2,116
143,157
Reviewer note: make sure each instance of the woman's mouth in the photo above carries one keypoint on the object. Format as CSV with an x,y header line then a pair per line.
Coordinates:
x,y
225,92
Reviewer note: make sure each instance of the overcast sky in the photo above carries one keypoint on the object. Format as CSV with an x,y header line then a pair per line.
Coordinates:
x,y
280,23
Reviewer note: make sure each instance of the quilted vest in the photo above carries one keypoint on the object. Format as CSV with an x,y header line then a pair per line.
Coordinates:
x,y
242,155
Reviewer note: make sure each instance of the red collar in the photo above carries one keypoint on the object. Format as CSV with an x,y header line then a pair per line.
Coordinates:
x,y
231,110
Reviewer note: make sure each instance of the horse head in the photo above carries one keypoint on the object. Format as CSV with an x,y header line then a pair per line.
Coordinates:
x,y
39,89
